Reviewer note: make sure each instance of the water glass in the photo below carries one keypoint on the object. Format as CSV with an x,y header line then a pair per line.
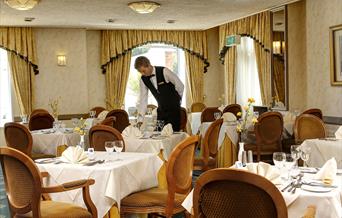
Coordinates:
x,y
75,122
289,164
118,146
305,154
109,146
217,115
279,159
160,125
24,118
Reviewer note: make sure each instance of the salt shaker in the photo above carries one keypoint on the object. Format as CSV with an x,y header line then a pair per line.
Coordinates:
x,y
250,157
244,158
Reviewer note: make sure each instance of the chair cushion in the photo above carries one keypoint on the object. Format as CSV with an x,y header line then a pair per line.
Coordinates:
x,y
54,209
149,198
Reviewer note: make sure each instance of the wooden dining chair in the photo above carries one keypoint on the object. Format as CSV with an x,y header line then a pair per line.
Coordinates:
x,y
24,189
208,114
99,134
38,110
109,121
98,110
41,121
237,193
234,109
178,175
121,119
197,107
17,136
308,126
268,133
184,119
314,111
209,148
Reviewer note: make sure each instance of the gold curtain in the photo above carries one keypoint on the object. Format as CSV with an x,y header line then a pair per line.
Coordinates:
x,y
22,75
263,59
194,67
117,44
116,81
257,27
20,45
279,79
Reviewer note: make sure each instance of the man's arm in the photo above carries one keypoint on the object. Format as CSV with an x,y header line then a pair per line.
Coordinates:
x,y
173,78
143,98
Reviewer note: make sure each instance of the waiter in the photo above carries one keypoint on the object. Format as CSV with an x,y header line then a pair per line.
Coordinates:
x,y
166,88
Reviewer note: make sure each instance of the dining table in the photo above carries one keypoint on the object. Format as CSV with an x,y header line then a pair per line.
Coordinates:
x,y
327,199
322,150
116,176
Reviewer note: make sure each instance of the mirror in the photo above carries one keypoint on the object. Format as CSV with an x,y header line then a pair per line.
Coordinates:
x,y
279,59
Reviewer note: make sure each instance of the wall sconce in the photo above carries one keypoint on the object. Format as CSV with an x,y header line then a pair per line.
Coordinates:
x,y
61,60
276,47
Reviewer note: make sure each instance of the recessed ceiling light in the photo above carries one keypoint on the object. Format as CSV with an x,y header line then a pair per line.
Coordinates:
x,y
144,7
29,19
110,20
170,21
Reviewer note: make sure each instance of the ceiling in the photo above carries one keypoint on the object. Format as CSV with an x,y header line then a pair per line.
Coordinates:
x,y
92,14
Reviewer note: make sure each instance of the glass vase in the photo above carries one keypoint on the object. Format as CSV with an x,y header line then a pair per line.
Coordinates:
x,y
241,150
81,144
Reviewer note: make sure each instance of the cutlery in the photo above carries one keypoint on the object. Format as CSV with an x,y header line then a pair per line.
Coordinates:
x,y
94,162
283,189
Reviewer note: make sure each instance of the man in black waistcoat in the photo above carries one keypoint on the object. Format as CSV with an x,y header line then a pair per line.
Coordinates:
x,y
166,88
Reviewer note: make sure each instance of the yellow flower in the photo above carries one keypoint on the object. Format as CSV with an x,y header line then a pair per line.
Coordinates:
x,y
251,100
81,132
77,129
254,120
246,108
239,114
238,128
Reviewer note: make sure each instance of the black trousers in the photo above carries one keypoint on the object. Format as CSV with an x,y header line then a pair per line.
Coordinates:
x,y
170,115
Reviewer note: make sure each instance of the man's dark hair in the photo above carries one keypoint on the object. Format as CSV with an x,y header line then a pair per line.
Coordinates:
x,y
141,61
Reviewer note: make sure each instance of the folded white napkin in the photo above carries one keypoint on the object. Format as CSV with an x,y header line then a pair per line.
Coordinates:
x,y
154,112
167,130
266,170
328,172
102,115
229,117
338,133
131,132
74,154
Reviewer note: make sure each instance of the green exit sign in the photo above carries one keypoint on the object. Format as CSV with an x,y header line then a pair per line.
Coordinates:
x,y
232,40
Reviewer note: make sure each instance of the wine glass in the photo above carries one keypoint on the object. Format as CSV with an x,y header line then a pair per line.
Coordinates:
x,y
217,115
109,146
289,163
279,159
24,118
92,114
160,125
118,146
305,155
75,122
295,152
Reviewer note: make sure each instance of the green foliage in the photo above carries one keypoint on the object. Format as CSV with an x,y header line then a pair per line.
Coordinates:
x,y
140,50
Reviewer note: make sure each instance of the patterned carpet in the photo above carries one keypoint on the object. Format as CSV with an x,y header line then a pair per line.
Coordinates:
x,y
4,213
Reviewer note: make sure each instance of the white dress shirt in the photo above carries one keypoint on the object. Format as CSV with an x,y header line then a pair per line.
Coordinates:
x,y
169,77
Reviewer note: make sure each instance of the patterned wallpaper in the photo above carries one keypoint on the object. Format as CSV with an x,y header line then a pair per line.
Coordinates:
x,y
320,16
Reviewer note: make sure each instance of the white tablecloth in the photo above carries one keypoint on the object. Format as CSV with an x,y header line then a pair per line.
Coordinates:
x,y
195,121
47,143
323,150
226,129
113,180
167,144
328,204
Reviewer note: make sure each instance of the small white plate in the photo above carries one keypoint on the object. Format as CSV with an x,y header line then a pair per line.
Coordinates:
x,y
317,189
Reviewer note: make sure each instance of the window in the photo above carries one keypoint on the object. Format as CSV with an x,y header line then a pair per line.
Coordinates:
x,y
159,55
5,89
247,78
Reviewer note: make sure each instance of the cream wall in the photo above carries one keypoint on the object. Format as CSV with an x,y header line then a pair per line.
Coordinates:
x,y
320,15
214,78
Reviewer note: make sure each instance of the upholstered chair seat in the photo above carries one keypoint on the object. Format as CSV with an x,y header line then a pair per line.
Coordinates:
x,y
153,198
53,209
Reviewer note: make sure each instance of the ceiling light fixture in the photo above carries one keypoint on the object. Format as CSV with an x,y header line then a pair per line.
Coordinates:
x,y
22,4
144,7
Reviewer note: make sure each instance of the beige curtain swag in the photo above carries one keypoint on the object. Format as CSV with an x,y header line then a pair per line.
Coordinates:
x,y
21,42
257,27
116,43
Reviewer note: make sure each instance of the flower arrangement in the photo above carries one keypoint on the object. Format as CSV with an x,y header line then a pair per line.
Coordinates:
x,y
242,126
81,127
54,107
